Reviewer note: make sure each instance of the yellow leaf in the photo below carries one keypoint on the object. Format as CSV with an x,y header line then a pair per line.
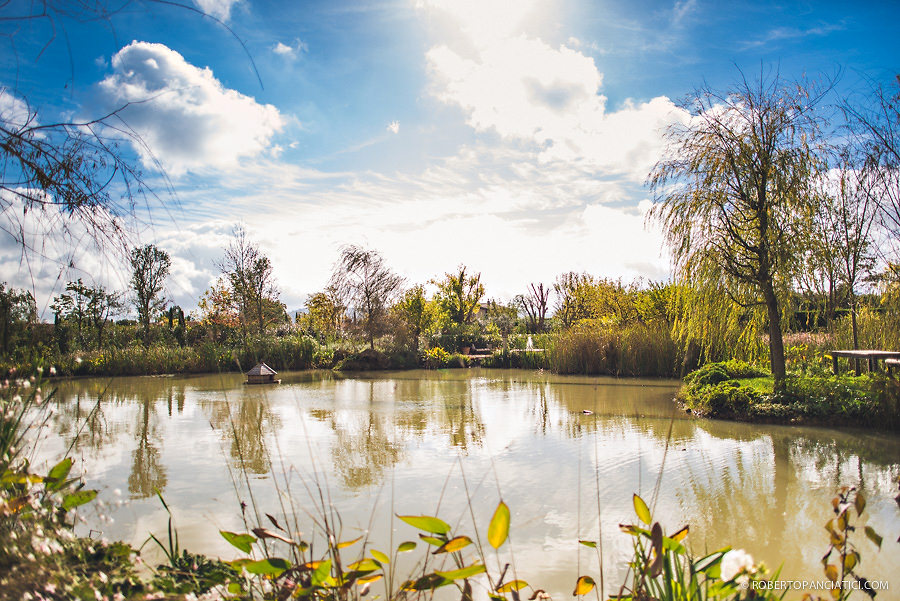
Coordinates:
x,y
514,585
641,509
498,530
585,584
347,543
831,572
454,544
679,536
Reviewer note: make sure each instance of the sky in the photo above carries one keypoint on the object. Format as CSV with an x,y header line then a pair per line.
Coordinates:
x,y
512,136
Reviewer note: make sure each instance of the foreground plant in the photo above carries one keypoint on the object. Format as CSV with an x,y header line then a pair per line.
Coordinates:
x,y
662,568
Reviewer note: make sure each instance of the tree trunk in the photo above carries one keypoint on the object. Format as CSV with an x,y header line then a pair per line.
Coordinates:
x,y
776,340
853,321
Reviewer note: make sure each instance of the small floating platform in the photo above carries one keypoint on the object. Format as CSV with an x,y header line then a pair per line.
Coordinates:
x,y
262,374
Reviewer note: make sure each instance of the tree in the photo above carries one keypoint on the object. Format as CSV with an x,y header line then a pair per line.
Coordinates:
x,y
460,294
149,270
367,286
574,297
219,310
89,308
416,314
249,273
17,312
535,304
325,313
734,193
876,125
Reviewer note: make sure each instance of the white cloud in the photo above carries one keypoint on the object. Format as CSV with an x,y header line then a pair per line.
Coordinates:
x,y
13,111
220,9
184,115
291,51
527,90
394,127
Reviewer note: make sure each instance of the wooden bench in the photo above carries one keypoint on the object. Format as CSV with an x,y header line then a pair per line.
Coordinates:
x,y
872,356
890,364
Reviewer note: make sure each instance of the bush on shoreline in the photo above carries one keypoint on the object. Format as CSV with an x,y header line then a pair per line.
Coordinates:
x,y
735,390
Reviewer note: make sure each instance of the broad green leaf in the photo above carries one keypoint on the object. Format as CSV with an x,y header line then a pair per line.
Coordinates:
x,y
873,536
380,556
498,529
272,566
641,509
437,542
454,544
426,523
466,572
427,582
59,472
235,588
239,541
20,478
79,497
321,573
347,543
584,585
406,546
588,543
704,564
513,585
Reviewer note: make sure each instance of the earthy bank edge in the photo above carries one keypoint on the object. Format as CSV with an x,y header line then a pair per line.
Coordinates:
x,y
737,391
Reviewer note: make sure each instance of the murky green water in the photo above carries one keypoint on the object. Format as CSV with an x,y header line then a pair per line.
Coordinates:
x,y
423,442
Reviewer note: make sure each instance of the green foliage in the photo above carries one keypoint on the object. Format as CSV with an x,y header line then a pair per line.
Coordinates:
x,y
459,295
436,357
733,390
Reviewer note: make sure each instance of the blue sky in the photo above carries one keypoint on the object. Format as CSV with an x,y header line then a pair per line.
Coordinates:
x,y
513,136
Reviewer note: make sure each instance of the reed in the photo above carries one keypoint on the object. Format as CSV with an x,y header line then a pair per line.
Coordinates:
x,y
636,349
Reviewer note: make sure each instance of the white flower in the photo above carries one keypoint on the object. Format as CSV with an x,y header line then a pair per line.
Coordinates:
x,y
52,370
737,562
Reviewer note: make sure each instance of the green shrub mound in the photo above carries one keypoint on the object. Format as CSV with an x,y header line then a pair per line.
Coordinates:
x,y
736,390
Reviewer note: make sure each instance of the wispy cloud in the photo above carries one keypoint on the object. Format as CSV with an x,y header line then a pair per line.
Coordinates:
x,y
792,33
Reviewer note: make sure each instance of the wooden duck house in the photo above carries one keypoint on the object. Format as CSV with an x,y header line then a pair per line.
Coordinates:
x,y
262,374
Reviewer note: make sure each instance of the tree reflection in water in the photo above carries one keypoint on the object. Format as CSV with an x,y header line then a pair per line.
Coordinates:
x,y
148,474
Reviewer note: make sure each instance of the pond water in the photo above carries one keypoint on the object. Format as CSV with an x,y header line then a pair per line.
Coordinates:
x,y
565,453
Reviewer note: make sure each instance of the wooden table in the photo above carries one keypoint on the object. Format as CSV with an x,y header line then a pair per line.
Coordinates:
x,y
871,356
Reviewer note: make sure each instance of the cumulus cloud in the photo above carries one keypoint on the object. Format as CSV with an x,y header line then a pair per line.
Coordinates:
x,y
186,118
394,127
525,89
220,9
13,111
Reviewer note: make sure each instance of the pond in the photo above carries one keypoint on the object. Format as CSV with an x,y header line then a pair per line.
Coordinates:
x,y
566,453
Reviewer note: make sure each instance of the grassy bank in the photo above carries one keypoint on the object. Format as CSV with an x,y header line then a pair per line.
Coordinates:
x,y
738,391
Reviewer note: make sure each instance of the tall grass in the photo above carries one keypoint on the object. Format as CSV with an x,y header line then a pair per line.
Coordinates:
x,y
280,353
630,350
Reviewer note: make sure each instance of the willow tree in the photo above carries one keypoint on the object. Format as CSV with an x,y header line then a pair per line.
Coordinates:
x,y
735,193
367,286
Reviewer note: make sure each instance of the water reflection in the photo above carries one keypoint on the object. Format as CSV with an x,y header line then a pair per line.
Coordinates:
x,y
557,446
148,474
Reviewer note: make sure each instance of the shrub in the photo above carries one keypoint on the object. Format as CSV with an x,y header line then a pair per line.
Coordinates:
x,y
436,357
